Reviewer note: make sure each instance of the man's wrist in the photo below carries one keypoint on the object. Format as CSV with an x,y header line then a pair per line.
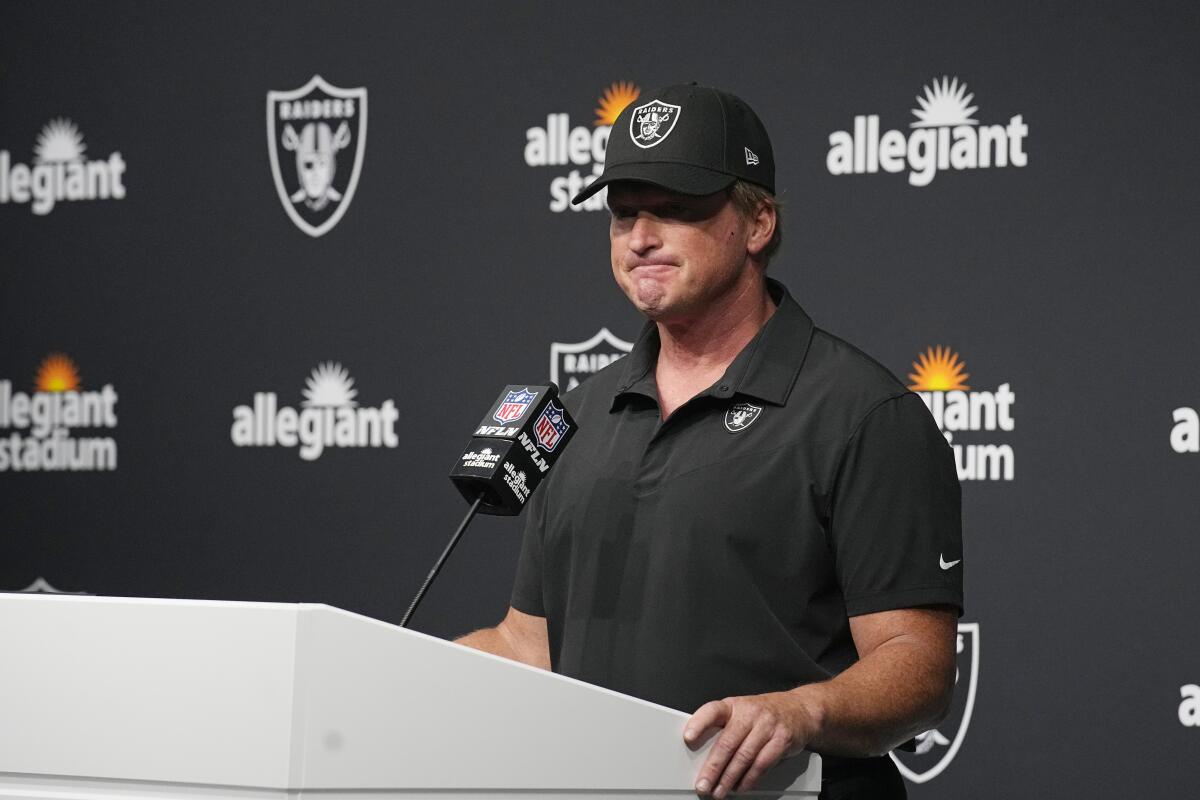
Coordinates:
x,y
811,710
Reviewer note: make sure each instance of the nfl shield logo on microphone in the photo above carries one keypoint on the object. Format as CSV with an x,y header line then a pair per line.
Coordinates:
x,y
514,406
550,427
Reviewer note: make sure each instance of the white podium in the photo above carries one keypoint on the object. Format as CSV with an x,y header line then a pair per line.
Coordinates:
x,y
107,698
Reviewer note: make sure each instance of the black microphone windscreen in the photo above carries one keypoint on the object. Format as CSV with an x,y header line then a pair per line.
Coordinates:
x,y
513,448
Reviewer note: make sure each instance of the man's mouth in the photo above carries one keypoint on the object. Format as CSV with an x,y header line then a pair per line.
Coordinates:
x,y
649,270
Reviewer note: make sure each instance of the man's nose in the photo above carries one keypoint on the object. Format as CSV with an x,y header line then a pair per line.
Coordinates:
x,y
644,235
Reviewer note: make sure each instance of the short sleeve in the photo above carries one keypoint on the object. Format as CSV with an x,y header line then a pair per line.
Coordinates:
x,y
527,587
896,513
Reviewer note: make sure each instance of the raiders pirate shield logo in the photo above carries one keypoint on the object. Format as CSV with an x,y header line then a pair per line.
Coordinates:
x,y
936,748
653,122
741,416
572,363
316,137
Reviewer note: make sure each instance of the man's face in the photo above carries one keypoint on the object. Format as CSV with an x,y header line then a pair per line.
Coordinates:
x,y
675,255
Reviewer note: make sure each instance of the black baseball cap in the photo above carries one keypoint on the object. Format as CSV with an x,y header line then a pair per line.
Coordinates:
x,y
689,139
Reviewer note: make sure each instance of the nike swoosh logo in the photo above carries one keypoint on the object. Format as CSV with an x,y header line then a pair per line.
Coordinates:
x,y
947,564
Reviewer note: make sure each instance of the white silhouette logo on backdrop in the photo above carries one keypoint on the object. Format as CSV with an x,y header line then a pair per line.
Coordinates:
x,y
572,363
326,128
935,749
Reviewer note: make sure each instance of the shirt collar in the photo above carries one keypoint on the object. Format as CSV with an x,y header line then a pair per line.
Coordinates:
x,y
765,369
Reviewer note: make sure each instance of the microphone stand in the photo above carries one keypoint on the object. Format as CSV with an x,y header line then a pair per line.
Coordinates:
x,y
442,560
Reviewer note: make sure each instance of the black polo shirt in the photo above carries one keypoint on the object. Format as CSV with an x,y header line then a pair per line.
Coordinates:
x,y
721,552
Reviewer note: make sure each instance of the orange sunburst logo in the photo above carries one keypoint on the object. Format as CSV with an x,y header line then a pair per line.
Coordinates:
x,y
614,100
57,374
938,369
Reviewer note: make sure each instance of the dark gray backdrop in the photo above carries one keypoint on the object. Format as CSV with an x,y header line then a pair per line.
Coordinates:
x,y
1072,279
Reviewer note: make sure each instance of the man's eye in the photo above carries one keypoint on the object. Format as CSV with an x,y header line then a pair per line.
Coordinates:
x,y
622,213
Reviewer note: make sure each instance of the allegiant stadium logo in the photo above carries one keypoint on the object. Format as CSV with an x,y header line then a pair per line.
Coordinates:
x,y
579,147
43,423
940,377
944,136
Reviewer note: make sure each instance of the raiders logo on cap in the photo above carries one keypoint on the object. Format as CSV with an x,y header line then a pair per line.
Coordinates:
x,y
652,123
723,141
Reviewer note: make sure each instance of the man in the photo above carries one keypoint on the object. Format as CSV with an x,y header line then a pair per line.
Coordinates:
x,y
755,521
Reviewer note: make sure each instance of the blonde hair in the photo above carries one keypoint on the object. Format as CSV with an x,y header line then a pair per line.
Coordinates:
x,y
745,197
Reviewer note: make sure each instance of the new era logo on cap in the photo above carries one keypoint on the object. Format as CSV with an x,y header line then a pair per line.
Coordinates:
x,y
751,158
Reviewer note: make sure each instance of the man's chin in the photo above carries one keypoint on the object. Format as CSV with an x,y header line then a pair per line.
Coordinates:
x,y
648,295
665,313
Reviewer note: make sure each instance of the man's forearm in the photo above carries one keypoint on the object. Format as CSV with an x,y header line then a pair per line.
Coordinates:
x,y
489,640
896,692
519,636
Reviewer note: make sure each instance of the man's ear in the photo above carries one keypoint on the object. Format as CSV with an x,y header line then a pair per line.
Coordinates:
x,y
762,228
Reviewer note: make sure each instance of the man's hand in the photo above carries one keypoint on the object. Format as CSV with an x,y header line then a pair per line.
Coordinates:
x,y
759,730
901,685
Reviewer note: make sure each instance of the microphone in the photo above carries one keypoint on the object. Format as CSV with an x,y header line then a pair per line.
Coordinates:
x,y
509,455
513,448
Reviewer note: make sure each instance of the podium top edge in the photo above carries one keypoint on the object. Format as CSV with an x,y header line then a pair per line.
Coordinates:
x,y
297,608
165,601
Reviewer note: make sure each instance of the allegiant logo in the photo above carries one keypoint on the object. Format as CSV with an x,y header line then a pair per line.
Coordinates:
x,y
945,136
60,171
329,417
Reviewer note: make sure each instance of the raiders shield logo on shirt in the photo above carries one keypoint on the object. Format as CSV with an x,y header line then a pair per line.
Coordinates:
x,y
741,416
